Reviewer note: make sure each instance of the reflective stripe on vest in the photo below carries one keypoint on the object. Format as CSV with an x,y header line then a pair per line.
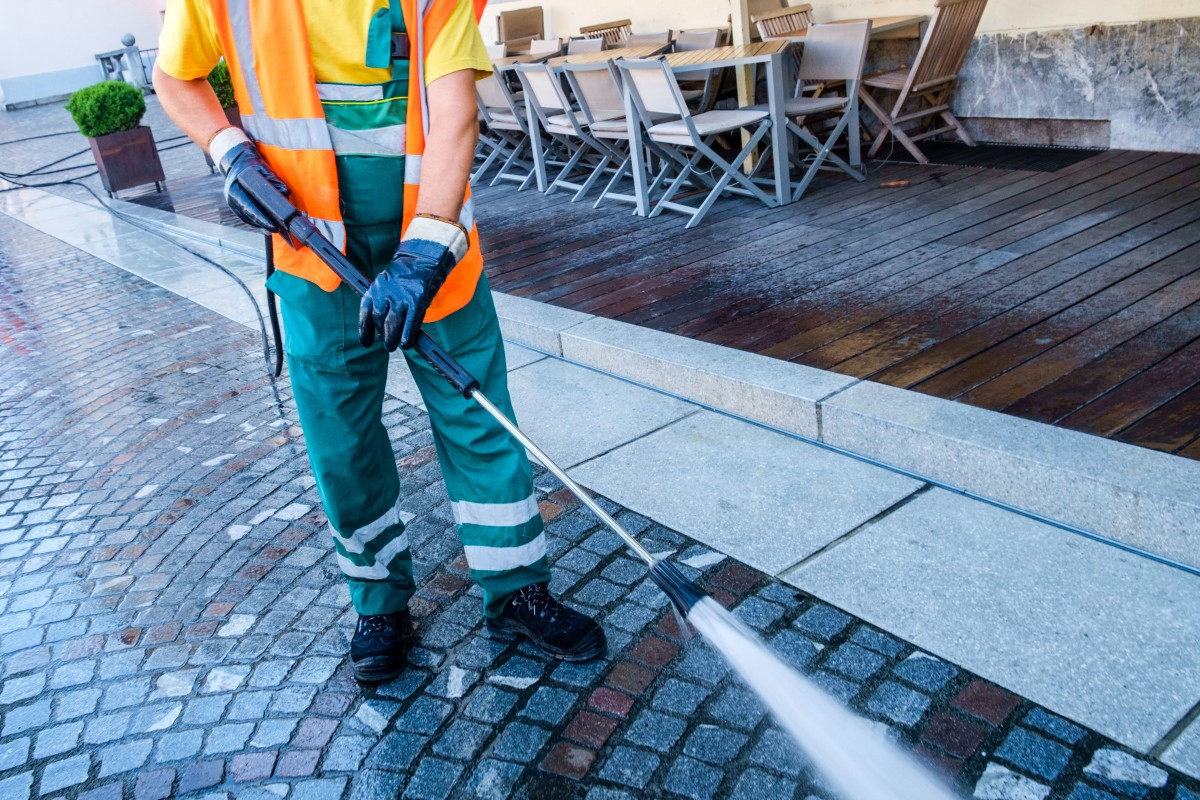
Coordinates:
x,y
388,141
349,93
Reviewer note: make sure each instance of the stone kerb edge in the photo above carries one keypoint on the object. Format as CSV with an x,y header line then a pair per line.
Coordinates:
x,y
942,440
537,325
766,390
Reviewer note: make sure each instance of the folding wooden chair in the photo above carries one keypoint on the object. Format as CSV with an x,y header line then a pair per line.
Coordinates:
x,y
545,97
832,54
926,86
782,20
505,135
518,28
613,33
654,90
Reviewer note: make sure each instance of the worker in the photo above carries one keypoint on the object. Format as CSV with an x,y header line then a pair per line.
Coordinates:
x,y
364,111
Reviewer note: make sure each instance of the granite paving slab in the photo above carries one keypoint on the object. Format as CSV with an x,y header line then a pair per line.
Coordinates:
x,y
1184,752
1100,636
575,414
764,499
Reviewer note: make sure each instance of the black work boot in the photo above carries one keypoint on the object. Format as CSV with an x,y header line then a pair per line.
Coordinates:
x,y
555,629
379,648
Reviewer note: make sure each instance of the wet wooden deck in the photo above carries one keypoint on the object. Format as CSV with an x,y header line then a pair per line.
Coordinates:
x,y
1068,297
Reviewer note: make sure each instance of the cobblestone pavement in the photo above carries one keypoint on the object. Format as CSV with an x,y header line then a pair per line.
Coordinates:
x,y
172,621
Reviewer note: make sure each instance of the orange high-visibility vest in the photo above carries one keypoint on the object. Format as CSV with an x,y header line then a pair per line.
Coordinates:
x,y
282,112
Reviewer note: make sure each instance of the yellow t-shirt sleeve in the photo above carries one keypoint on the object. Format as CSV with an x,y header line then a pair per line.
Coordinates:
x,y
458,46
188,47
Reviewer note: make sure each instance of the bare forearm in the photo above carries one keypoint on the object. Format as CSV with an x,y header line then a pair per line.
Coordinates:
x,y
192,105
450,146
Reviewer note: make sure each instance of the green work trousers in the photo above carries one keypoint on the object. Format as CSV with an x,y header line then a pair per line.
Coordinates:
x,y
339,390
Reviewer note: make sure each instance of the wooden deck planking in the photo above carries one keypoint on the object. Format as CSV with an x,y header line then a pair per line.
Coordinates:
x,y
1082,332
951,203
1073,265
1056,286
1070,297
1008,286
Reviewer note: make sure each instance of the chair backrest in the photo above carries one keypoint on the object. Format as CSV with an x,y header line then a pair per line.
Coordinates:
x,y
497,51
597,88
653,88
540,90
493,93
835,52
613,33
697,40
593,44
520,25
543,46
639,39
946,42
782,20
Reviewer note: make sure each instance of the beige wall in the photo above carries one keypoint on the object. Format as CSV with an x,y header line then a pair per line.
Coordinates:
x,y
39,36
563,17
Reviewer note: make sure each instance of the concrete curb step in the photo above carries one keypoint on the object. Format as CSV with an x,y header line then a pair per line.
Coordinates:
x,y
1137,497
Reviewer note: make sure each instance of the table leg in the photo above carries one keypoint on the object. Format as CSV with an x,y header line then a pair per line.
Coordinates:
x,y
776,92
637,156
535,143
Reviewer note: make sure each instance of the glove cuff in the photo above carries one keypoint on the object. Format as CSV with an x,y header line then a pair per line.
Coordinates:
x,y
446,234
225,140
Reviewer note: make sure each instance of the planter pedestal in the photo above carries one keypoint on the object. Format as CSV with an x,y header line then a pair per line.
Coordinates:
x,y
127,159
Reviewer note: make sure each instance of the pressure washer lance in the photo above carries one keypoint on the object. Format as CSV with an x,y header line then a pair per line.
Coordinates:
x,y
682,592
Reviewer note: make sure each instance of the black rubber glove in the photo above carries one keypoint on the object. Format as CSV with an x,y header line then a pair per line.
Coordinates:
x,y
396,303
234,163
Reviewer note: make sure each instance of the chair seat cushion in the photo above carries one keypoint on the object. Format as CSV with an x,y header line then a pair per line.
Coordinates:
x,y
708,123
610,125
801,106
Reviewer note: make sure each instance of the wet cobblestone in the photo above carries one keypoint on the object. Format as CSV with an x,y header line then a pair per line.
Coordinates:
x,y
172,621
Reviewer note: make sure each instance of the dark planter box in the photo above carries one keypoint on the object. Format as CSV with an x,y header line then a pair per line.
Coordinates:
x,y
235,119
127,159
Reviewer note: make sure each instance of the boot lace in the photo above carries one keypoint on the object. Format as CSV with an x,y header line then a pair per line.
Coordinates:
x,y
538,600
375,625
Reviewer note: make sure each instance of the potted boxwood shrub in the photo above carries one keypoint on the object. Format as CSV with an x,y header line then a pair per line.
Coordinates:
x,y
109,114
222,84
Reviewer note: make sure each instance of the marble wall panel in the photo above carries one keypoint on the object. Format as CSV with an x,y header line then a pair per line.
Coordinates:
x,y
1142,78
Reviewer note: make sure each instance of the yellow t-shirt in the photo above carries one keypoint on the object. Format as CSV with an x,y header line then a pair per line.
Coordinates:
x,y
189,48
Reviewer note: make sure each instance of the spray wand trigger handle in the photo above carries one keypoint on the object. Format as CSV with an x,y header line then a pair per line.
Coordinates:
x,y
271,200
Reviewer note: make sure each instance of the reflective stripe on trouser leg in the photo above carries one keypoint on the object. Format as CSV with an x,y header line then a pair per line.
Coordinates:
x,y
339,389
487,474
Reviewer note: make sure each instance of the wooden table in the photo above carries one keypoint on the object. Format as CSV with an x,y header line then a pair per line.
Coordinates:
x,y
601,56
903,27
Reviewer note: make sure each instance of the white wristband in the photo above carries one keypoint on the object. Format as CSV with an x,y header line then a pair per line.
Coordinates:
x,y
225,141
447,234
